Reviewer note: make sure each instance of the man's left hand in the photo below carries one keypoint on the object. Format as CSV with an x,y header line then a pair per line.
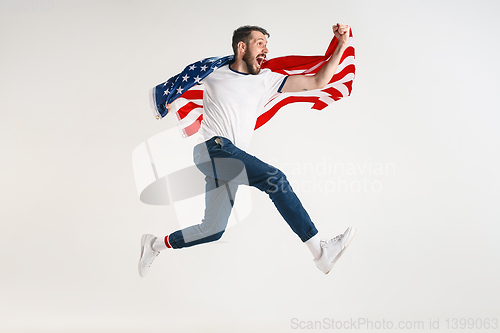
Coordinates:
x,y
342,32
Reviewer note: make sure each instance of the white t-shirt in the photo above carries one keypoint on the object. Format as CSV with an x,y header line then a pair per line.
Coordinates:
x,y
232,101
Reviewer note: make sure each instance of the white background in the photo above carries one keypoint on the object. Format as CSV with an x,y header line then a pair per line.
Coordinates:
x,y
74,78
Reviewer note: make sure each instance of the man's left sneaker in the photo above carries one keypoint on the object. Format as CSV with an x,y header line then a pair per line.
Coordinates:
x,y
148,255
332,250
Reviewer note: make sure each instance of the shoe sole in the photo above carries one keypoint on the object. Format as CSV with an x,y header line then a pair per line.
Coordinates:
x,y
349,240
143,241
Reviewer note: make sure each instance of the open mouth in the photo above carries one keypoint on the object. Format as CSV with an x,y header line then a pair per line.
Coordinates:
x,y
260,59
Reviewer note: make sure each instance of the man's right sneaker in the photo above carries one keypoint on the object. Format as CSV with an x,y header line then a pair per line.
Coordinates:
x,y
332,250
148,255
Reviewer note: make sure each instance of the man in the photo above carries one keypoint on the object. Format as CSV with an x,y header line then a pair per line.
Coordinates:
x,y
233,96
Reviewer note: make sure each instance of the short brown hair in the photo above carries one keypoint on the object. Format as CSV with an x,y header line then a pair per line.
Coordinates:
x,y
242,34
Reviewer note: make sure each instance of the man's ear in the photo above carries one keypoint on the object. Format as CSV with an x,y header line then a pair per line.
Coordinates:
x,y
242,47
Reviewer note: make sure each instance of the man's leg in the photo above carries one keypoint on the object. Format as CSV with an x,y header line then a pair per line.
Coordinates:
x,y
274,182
221,175
219,201
267,179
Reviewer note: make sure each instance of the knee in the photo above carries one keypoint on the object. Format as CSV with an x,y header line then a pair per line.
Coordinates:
x,y
276,182
217,236
209,229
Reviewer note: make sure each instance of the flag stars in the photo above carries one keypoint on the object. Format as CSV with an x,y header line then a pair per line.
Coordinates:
x,y
166,92
203,68
185,78
192,67
179,91
197,79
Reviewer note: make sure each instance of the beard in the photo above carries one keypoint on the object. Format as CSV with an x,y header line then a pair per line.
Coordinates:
x,y
250,63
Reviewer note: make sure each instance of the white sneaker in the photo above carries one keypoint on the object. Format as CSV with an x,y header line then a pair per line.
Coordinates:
x,y
332,250
148,255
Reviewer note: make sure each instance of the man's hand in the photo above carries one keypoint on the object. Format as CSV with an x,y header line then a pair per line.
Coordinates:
x,y
342,32
297,83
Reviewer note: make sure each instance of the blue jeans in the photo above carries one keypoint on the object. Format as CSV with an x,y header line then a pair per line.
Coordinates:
x,y
225,167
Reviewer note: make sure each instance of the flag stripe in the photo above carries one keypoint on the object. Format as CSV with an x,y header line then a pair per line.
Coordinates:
x,y
191,118
186,109
194,127
193,94
265,117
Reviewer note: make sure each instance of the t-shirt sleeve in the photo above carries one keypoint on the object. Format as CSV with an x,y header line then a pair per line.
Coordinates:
x,y
275,82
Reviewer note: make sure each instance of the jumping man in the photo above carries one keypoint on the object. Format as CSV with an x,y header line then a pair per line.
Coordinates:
x,y
233,96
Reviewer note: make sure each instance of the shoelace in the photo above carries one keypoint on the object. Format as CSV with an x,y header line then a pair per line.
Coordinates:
x,y
152,258
335,239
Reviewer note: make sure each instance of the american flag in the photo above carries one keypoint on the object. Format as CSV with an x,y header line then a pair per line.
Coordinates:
x,y
185,90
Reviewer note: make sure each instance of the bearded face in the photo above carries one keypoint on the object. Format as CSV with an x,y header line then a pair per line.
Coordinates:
x,y
253,58
253,67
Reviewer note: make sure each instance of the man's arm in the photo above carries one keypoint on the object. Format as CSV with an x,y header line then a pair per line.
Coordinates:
x,y
319,80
